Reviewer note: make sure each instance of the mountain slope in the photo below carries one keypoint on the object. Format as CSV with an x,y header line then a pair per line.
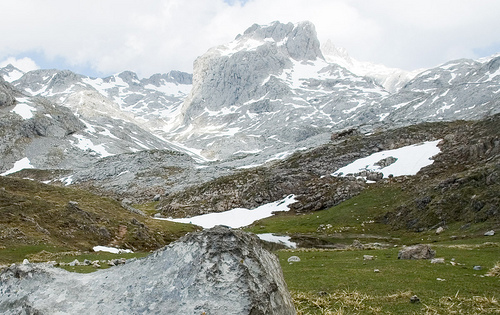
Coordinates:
x,y
260,98
33,213
392,79
269,88
461,185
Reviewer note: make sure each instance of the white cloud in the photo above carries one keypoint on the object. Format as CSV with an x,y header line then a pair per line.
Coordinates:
x,y
24,64
161,35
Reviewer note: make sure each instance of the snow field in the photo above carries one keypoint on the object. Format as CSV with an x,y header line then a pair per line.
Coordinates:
x,y
410,160
19,165
238,217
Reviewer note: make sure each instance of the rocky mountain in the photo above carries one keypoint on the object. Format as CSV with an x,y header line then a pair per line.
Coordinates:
x,y
392,79
461,184
260,85
272,91
10,73
269,88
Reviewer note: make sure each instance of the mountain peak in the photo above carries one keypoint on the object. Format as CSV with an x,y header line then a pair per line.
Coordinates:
x,y
299,40
10,73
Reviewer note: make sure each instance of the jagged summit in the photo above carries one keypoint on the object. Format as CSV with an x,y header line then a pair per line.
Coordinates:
x,y
299,40
269,87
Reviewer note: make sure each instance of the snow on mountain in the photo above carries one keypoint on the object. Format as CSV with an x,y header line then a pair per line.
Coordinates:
x,y
11,73
271,91
459,89
152,98
392,79
268,89
408,160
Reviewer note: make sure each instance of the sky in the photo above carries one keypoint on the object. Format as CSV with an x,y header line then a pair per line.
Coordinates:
x,y
103,37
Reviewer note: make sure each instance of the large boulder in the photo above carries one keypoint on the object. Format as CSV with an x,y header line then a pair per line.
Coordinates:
x,y
420,251
216,271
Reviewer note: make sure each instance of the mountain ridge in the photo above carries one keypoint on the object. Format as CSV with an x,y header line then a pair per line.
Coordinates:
x,y
261,97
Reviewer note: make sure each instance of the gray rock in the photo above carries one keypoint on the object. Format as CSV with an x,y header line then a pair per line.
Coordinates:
x,y
368,257
420,251
74,263
357,244
414,299
440,230
293,259
489,233
386,162
477,268
7,94
217,271
437,261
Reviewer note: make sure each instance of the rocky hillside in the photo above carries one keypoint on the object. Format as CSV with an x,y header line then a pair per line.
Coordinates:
x,y
33,213
463,184
464,173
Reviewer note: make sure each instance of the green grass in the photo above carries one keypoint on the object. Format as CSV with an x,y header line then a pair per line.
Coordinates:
x,y
333,272
16,254
341,282
34,215
354,218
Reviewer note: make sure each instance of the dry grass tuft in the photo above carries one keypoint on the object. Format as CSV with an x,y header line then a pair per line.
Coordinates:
x,y
338,303
495,271
354,302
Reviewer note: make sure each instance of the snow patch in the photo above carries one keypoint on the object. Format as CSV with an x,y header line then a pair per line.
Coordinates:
x,y
87,144
238,217
24,110
410,160
19,165
284,240
111,250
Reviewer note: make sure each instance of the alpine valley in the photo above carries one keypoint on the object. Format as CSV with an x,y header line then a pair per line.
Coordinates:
x,y
272,113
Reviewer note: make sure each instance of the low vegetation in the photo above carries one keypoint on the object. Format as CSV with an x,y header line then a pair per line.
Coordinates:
x,y
35,217
336,279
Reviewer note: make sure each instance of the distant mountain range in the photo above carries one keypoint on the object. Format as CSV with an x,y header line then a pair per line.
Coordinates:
x,y
270,92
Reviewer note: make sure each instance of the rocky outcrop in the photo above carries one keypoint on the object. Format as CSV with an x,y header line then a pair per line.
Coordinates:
x,y
420,251
464,181
217,271
304,174
7,93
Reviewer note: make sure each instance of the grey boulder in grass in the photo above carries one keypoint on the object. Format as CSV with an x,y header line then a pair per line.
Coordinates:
x,y
216,271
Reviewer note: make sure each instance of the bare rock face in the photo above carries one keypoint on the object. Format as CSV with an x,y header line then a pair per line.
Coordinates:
x,y
6,94
216,271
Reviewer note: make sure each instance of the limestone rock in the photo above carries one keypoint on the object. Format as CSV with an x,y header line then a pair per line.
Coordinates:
x,y
216,271
420,251
292,259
